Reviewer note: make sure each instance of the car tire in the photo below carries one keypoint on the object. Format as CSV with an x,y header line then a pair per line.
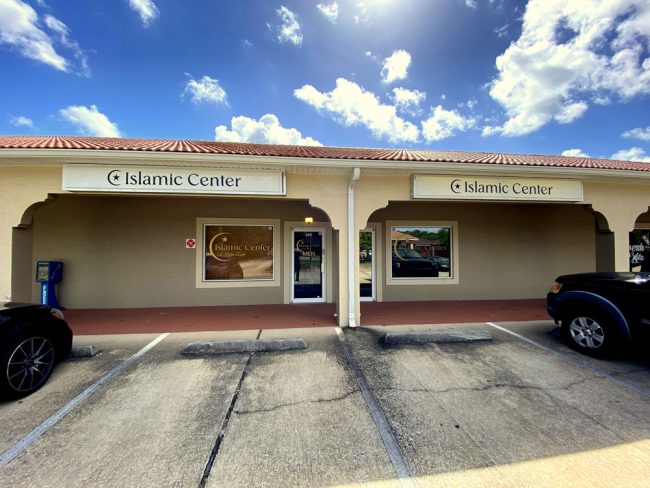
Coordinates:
x,y
26,364
591,331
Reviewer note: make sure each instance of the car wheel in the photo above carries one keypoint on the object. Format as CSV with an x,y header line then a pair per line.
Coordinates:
x,y
590,332
25,365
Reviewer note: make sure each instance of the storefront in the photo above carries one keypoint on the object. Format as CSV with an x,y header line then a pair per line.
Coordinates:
x,y
171,223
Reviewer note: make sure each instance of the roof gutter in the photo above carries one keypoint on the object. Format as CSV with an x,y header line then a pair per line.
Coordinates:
x,y
352,289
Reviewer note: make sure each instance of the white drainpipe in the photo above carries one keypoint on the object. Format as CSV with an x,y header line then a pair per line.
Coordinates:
x,y
352,288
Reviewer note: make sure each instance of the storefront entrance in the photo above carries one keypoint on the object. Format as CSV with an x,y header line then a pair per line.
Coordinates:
x,y
308,277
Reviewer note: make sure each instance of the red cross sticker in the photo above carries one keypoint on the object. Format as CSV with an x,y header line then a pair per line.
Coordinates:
x,y
190,243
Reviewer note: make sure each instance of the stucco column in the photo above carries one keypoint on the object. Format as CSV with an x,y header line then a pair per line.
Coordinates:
x,y
621,205
22,186
329,193
622,245
372,194
8,219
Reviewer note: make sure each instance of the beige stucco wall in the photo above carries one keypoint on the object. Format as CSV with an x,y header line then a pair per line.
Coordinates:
x,y
620,204
22,186
329,193
21,284
505,250
130,251
134,246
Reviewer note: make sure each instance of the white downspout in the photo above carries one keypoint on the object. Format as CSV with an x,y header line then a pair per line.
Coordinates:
x,y
352,288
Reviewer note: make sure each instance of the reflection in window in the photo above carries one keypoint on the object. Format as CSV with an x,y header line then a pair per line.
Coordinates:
x,y
640,250
365,264
237,252
421,252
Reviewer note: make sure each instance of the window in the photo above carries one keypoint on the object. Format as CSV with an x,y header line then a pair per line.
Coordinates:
x,y
640,250
421,253
237,252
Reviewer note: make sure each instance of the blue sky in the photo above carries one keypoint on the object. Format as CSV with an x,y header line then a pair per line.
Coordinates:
x,y
545,77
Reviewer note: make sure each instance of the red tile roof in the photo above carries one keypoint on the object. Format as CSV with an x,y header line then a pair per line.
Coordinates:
x,y
368,154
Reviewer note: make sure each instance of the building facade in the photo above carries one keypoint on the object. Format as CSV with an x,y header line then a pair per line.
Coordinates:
x,y
149,223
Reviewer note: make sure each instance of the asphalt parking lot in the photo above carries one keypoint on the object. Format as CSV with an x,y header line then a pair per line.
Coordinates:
x,y
520,410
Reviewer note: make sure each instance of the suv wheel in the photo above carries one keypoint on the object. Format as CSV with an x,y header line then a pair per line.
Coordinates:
x,y
590,332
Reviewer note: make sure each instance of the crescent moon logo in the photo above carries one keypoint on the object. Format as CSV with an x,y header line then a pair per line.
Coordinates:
x,y
298,244
397,253
113,176
212,249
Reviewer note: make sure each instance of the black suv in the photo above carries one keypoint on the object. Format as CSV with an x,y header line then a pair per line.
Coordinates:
x,y
408,263
601,312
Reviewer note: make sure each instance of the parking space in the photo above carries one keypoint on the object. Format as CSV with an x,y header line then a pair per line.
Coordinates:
x,y
505,411
153,425
68,380
630,366
300,420
458,406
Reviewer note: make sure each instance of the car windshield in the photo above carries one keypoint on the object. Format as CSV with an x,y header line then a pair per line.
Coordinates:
x,y
408,254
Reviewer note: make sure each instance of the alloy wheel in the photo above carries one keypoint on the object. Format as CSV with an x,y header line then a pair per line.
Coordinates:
x,y
587,333
30,364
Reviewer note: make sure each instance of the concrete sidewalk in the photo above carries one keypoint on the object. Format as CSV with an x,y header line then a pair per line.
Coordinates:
x,y
198,319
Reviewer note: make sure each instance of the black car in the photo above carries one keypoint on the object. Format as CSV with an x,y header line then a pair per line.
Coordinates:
x,y
408,263
601,312
441,261
33,339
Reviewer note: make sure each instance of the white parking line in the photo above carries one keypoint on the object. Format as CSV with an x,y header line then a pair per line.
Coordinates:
x,y
600,372
393,449
11,453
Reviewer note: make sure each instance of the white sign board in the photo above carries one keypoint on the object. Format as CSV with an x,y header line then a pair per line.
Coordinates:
x,y
161,179
496,188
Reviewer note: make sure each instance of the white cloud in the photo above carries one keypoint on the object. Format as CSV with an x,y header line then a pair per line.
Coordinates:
x,y
207,90
90,121
570,112
330,11
632,154
351,105
575,153
362,8
59,28
502,31
408,100
146,9
444,123
19,28
21,121
289,30
267,130
396,66
570,53
471,3
638,133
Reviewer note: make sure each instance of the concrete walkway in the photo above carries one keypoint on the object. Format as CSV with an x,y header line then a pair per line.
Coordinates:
x,y
198,319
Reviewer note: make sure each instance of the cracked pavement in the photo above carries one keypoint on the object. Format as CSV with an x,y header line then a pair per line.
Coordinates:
x,y
471,414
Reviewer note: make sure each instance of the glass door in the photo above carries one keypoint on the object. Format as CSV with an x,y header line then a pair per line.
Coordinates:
x,y
367,269
308,266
